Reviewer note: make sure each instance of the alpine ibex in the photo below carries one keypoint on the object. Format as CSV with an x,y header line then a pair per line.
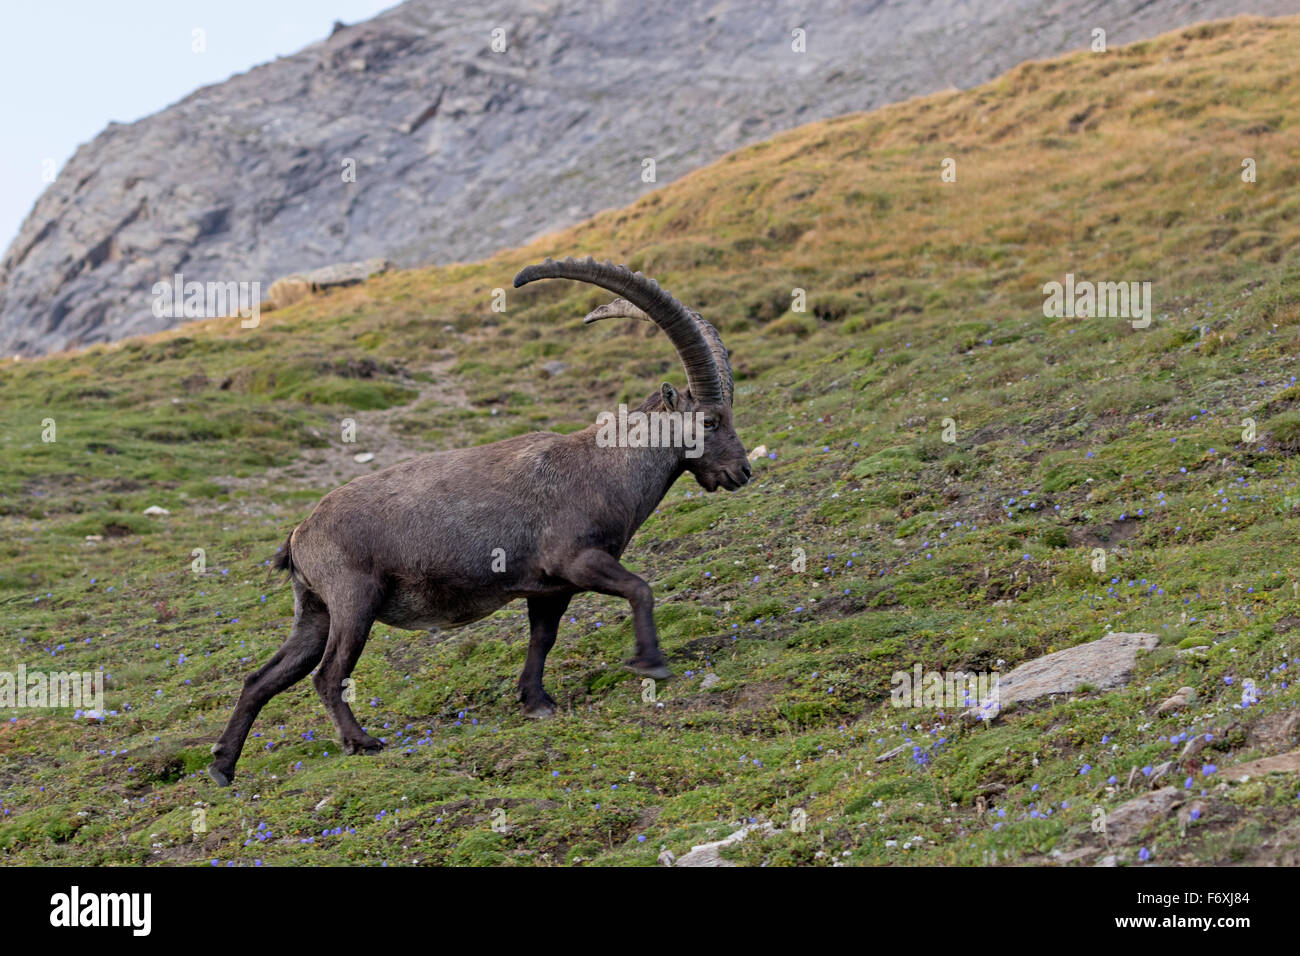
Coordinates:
x,y
447,538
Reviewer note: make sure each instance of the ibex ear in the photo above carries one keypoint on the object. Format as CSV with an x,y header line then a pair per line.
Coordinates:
x,y
670,396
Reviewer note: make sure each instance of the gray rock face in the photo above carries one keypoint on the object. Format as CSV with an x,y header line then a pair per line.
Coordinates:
x,y
459,151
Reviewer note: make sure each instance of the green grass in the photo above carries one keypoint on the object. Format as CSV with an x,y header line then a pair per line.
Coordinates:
x,y
924,304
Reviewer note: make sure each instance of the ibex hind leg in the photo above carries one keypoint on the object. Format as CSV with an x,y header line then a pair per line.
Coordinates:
x,y
290,664
544,615
350,621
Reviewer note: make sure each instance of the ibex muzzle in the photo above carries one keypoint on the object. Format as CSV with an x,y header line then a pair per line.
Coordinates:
x,y
448,538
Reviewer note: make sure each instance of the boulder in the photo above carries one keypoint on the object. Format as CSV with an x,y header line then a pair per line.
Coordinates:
x,y
290,289
1102,664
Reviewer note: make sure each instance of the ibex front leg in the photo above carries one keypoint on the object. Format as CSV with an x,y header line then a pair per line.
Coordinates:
x,y
599,571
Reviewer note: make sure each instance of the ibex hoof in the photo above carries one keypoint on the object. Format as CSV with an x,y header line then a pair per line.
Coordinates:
x,y
656,669
222,777
540,709
364,745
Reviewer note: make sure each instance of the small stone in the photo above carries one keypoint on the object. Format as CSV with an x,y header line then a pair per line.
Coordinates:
x,y
710,680
890,754
1193,747
362,457
153,510
1159,771
1181,698
1130,820
706,854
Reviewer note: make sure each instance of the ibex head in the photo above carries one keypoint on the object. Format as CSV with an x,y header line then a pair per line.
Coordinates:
x,y
709,380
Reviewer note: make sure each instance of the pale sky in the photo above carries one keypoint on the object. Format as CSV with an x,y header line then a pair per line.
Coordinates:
x,y
68,67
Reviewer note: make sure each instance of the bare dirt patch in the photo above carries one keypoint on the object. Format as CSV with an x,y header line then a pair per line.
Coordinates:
x,y
325,468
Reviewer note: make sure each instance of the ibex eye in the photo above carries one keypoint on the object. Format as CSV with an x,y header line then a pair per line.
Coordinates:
x,y
710,423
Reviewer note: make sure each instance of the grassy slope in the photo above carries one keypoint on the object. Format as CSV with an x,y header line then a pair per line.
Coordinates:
x,y
924,303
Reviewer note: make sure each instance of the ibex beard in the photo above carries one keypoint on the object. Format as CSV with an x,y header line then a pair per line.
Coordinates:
x,y
421,544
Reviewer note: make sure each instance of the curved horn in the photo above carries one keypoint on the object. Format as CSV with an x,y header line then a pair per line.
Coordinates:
x,y
720,358
623,309
618,309
665,311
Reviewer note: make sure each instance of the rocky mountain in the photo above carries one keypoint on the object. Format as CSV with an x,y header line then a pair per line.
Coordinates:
x,y
437,132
